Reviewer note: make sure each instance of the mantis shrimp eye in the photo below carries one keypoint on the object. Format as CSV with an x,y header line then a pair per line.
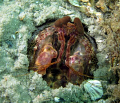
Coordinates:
x,y
62,21
79,26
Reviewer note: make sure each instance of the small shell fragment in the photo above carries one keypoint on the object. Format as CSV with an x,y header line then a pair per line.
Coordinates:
x,y
94,89
74,2
57,99
22,16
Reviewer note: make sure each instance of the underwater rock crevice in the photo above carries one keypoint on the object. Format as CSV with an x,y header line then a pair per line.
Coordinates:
x,y
56,75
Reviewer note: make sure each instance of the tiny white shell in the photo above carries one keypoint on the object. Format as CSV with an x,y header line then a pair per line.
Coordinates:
x,y
94,89
56,99
13,36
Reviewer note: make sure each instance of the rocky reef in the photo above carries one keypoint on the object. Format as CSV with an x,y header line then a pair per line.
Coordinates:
x,y
21,20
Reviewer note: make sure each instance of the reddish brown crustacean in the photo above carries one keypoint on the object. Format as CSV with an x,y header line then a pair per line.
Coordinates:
x,y
66,47
44,58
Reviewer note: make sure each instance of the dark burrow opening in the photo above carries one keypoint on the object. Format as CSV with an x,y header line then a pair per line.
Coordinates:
x,y
59,74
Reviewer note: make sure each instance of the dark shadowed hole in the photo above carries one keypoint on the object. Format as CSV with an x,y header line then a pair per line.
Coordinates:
x,y
85,27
